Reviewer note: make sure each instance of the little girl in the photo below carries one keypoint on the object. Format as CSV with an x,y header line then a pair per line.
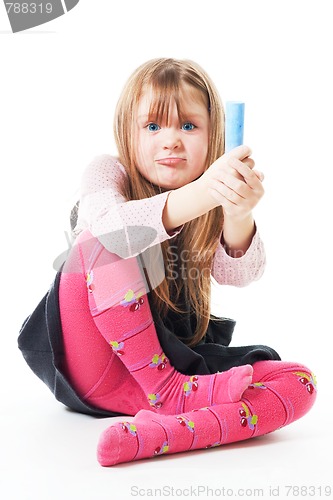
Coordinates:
x,y
126,327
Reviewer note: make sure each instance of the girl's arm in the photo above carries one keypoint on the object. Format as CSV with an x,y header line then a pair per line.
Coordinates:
x,y
230,182
233,183
240,257
237,234
189,202
125,228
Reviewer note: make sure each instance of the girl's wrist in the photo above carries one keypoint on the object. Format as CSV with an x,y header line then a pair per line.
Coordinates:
x,y
206,193
187,203
239,219
237,234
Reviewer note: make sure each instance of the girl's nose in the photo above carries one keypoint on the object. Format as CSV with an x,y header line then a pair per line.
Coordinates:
x,y
171,139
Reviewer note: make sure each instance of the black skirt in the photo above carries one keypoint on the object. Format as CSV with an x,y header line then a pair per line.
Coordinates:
x,y
40,341
213,353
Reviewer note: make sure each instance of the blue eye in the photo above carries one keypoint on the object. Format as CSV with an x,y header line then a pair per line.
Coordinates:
x,y
153,127
188,126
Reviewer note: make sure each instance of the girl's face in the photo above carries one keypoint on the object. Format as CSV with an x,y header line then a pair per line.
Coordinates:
x,y
173,154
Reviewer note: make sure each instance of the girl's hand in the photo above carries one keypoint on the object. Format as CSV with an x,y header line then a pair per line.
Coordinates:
x,y
232,181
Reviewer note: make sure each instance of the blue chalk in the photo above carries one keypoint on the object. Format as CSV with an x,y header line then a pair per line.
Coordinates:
x,y
234,124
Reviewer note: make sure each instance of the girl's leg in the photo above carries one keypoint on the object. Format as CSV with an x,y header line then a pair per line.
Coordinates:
x,y
120,309
93,369
282,393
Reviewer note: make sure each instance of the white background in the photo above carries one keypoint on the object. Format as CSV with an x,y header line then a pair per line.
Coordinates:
x,y
58,88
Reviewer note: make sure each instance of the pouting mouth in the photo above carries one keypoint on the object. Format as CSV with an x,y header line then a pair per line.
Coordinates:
x,y
170,160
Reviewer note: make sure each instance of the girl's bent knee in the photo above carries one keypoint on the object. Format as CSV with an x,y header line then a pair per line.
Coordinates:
x,y
272,369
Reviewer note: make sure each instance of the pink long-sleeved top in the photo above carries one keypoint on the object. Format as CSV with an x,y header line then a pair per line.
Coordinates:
x,y
128,228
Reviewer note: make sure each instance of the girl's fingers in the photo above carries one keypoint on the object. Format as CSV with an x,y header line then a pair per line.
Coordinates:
x,y
250,176
236,184
240,152
259,174
235,195
225,192
249,162
226,204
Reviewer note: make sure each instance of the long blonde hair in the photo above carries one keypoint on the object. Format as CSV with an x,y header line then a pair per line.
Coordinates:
x,y
199,237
